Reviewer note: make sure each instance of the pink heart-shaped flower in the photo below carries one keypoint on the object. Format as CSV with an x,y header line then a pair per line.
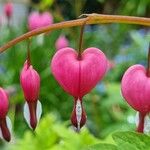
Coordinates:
x,y
135,87
37,20
61,42
78,77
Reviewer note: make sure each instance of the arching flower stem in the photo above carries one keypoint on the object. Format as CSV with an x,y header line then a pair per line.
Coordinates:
x,y
93,19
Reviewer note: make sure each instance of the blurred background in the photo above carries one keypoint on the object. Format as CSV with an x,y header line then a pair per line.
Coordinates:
x,y
123,44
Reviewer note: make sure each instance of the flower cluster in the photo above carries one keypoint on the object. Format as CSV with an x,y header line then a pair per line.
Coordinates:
x,y
77,74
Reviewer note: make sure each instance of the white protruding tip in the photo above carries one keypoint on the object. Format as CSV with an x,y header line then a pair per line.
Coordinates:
x,y
78,127
1,136
26,112
78,113
146,123
9,124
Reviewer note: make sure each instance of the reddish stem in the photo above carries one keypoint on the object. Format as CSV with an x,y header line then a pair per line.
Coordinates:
x,y
140,127
81,39
80,42
28,54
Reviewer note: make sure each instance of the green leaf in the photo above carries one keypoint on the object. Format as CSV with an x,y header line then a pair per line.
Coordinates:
x,y
102,147
126,146
132,140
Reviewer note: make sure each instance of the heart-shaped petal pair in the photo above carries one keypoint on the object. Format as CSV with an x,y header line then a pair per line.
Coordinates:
x,y
78,76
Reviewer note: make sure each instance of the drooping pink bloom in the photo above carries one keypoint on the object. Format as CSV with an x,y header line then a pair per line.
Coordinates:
x,y
8,9
4,120
37,20
78,76
135,87
61,42
30,82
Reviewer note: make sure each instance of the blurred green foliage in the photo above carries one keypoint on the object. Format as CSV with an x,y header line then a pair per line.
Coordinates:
x,y
106,110
54,135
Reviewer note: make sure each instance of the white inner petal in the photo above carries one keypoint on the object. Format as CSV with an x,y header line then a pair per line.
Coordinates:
x,y
26,112
9,124
78,113
1,136
38,111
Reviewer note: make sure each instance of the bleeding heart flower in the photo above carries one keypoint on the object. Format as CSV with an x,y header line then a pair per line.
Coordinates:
x,y
8,9
135,87
5,123
30,82
78,76
61,42
37,20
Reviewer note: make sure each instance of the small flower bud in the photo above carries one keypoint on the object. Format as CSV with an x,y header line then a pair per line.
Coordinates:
x,y
8,9
61,42
30,82
4,120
